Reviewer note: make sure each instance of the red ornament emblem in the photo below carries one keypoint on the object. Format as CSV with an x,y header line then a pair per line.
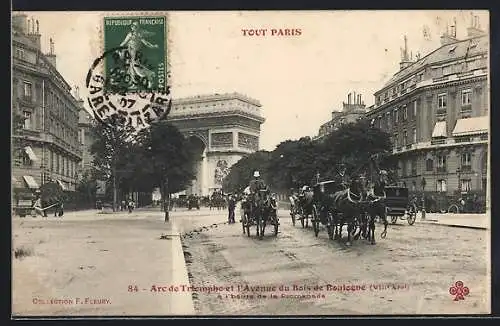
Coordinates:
x,y
459,290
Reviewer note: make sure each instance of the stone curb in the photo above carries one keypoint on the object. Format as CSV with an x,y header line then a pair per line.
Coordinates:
x,y
436,222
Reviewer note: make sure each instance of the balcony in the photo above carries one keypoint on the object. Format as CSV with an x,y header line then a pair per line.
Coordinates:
x,y
466,168
466,108
441,111
438,141
441,169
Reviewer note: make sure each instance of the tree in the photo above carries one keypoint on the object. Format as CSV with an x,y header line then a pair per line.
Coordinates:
x,y
293,163
111,149
241,172
166,160
355,147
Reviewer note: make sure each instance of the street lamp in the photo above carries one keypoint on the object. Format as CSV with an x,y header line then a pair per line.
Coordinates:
x,y
423,183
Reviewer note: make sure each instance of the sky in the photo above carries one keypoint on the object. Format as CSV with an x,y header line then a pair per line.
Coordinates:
x,y
299,80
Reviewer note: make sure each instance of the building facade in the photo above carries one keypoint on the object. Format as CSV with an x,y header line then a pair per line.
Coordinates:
x,y
85,138
224,127
352,111
436,110
45,144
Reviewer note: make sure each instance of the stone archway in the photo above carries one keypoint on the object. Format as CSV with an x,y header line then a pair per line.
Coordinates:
x,y
199,147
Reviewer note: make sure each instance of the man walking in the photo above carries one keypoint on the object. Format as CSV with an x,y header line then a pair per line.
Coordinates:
x,y
231,207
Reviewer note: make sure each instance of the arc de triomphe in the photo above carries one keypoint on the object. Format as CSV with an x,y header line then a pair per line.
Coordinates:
x,y
224,127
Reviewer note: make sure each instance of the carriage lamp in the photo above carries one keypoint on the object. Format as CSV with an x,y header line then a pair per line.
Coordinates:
x,y
423,183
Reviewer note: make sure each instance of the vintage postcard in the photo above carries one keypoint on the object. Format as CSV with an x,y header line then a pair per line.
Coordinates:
x,y
250,163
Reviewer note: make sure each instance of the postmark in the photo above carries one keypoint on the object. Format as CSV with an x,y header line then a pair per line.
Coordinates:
x,y
129,83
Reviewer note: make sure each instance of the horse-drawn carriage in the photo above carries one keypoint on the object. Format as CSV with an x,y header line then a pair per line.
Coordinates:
x,y
398,205
259,209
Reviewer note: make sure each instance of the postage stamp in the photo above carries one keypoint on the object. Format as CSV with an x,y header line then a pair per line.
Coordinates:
x,y
317,163
139,60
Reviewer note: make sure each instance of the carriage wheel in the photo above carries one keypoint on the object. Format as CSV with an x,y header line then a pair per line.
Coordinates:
x,y
330,227
244,222
394,219
315,221
301,213
453,209
262,226
412,214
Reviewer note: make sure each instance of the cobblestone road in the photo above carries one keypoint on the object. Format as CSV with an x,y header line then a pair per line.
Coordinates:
x,y
409,272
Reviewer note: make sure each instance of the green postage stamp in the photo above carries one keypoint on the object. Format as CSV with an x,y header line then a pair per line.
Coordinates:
x,y
137,58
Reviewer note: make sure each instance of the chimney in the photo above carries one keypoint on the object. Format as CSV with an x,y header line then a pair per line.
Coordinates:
x,y
34,32
51,56
349,98
20,22
474,29
354,98
449,36
405,58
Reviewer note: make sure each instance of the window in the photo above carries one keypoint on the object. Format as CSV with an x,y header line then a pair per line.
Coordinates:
x,y
27,89
58,165
465,185
466,159
414,135
466,96
413,165
396,116
414,186
414,109
404,165
405,137
51,161
442,101
27,120
441,186
429,164
441,163
396,140
20,53
388,115
405,112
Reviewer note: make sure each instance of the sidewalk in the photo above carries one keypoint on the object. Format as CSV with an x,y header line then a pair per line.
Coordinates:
x,y
99,258
473,221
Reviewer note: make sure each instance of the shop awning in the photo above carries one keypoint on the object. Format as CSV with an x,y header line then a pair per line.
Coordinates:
x,y
30,153
439,129
30,181
60,183
471,126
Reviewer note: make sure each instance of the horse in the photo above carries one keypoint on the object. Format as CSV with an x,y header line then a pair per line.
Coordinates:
x,y
347,209
375,208
263,206
305,206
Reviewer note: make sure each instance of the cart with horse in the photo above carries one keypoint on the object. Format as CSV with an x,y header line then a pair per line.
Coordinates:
x,y
259,209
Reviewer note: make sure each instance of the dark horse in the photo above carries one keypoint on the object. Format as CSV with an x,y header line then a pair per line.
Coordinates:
x,y
375,208
262,207
347,209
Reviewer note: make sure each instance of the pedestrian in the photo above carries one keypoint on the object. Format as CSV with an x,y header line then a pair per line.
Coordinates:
x,y
231,207
131,205
61,209
123,204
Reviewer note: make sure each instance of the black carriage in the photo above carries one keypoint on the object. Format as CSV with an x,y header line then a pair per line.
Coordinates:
x,y
193,202
259,211
323,206
399,205
302,209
